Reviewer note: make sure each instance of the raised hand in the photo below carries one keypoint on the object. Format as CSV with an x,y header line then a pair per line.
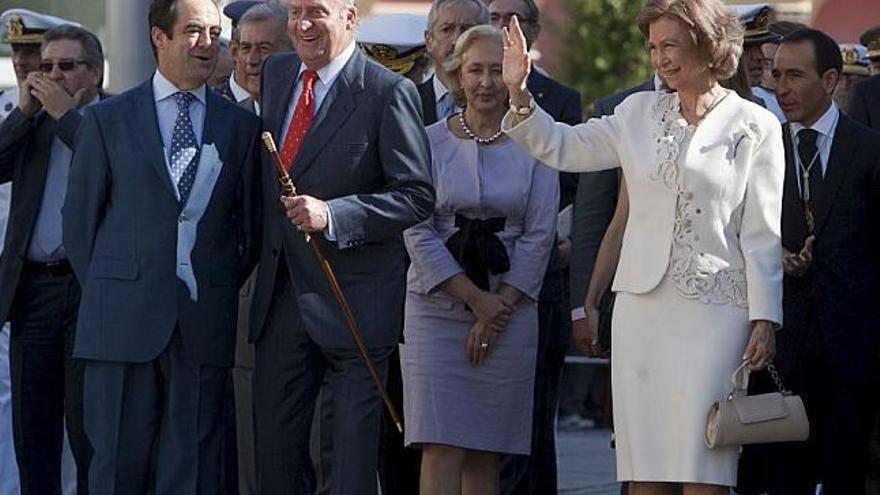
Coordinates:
x,y
516,65
28,104
54,97
796,264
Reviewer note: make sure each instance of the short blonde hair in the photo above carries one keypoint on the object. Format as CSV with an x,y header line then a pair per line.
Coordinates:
x,y
717,33
452,66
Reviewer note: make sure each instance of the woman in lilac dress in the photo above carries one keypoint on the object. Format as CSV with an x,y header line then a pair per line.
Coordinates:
x,y
471,324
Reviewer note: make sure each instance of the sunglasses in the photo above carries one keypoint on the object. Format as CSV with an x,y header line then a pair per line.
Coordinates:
x,y
64,65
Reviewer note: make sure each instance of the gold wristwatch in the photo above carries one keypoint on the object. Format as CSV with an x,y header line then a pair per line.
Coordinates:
x,y
523,111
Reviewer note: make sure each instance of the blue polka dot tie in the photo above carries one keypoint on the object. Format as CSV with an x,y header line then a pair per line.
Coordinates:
x,y
184,147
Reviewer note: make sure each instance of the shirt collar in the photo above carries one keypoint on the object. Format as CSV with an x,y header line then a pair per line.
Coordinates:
x,y
439,89
330,72
163,88
238,92
826,124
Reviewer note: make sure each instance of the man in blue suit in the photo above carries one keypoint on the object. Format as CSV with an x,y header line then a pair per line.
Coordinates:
x,y
160,224
350,133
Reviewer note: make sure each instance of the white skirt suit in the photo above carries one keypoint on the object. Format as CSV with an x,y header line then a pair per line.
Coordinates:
x,y
701,258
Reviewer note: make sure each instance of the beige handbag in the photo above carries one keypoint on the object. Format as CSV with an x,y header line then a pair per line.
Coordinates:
x,y
765,418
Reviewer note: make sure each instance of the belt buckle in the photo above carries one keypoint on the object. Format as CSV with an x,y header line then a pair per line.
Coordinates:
x,y
56,268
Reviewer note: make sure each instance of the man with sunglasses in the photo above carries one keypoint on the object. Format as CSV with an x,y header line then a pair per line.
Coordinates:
x,y
39,295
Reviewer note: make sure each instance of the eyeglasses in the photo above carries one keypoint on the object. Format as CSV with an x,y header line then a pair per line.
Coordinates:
x,y
505,18
65,65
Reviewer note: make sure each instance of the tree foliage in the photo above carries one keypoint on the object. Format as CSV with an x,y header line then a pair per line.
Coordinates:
x,y
605,49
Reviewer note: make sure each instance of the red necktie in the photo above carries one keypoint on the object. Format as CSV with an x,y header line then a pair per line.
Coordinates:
x,y
302,118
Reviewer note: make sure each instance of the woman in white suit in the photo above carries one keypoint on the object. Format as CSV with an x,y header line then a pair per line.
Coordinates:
x,y
700,276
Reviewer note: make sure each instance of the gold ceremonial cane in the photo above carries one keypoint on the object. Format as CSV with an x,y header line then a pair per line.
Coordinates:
x,y
290,190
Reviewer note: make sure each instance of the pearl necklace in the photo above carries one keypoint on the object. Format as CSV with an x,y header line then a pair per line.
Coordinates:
x,y
467,130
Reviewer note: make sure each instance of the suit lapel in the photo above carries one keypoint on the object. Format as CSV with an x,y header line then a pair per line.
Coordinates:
x,y
794,224
147,123
216,132
335,109
276,111
842,150
429,105
538,89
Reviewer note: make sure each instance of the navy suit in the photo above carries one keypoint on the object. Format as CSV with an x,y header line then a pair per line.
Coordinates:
x,y
864,102
41,304
366,154
827,350
536,473
152,351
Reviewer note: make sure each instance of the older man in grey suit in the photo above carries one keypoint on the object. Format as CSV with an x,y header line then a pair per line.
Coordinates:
x,y
160,220
356,149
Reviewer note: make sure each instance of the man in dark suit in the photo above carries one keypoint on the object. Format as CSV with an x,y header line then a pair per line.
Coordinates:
x,y
864,102
447,19
39,294
350,134
161,221
259,30
827,350
537,473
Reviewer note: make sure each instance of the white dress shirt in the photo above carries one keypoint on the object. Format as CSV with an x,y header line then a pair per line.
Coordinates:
x,y
166,112
326,77
238,92
825,126
445,108
46,244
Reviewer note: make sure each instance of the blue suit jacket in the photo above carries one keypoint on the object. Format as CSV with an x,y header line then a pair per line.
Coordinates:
x,y
122,224
366,154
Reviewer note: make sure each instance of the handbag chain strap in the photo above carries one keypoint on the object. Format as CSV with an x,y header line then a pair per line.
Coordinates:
x,y
774,374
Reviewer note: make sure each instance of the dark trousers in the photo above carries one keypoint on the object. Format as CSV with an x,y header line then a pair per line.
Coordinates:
x,y
242,447
46,382
536,473
290,368
840,412
399,467
158,424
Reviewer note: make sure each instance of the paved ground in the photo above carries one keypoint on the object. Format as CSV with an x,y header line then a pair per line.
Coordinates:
x,y
586,463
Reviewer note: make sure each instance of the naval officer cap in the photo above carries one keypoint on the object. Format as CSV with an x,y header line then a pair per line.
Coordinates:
x,y
394,40
26,27
855,59
234,10
871,40
756,19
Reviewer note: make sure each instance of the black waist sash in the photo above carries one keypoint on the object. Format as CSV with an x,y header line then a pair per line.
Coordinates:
x,y
477,249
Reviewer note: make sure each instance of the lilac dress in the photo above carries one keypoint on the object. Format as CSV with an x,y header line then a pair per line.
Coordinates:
x,y
446,400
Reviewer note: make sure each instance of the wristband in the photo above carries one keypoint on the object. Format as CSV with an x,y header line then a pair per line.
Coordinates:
x,y
578,314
